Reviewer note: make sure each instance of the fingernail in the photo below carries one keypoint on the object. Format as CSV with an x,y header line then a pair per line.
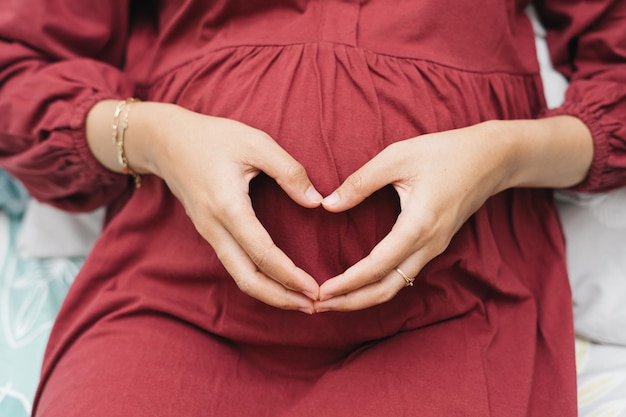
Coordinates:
x,y
306,310
312,195
310,295
331,200
322,308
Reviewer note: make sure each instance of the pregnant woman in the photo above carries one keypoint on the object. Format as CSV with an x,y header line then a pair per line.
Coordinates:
x,y
315,208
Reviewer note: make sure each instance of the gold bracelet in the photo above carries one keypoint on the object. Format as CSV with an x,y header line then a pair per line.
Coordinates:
x,y
120,124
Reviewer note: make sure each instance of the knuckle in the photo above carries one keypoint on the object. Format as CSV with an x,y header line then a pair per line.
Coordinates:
x,y
426,229
221,211
355,182
220,202
257,136
262,257
386,293
394,147
222,256
398,151
284,302
439,246
429,220
345,303
228,211
203,226
379,268
289,282
244,285
294,172
379,273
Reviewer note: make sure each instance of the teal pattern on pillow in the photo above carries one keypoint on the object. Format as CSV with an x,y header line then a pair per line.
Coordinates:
x,y
31,293
13,195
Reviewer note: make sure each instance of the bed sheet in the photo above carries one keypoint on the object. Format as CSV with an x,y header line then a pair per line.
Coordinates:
x,y
601,372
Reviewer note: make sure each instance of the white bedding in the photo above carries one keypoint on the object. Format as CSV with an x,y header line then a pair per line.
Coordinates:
x,y
601,372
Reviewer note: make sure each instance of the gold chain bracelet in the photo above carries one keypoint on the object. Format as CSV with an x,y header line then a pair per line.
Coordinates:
x,y
120,124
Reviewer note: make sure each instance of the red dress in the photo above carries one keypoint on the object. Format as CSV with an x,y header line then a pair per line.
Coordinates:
x,y
154,326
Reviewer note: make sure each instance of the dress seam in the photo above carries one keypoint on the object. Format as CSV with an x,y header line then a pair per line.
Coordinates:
x,y
203,54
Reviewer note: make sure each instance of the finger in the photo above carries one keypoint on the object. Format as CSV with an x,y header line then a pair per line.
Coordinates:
x,y
372,176
375,293
242,223
398,245
253,282
288,173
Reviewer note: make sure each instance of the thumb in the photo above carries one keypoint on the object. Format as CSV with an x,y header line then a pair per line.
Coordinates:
x,y
290,176
371,177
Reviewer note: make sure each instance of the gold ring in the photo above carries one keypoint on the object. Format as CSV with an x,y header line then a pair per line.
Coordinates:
x,y
409,281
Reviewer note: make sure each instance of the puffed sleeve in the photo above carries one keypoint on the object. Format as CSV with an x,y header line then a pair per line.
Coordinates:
x,y
57,59
587,41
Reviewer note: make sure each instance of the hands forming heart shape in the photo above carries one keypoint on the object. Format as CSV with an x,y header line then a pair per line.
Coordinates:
x,y
441,180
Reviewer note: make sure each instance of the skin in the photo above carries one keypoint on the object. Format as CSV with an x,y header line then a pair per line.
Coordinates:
x,y
470,164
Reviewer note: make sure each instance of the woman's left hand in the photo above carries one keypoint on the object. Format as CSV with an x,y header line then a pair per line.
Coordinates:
x,y
441,179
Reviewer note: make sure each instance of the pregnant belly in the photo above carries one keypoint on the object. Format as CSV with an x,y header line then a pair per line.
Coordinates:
x,y
333,108
327,117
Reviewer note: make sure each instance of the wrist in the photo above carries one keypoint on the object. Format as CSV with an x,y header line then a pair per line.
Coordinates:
x,y
147,135
554,152
139,137
502,149
509,139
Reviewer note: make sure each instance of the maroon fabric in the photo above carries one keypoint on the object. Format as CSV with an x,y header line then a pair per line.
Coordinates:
x,y
153,325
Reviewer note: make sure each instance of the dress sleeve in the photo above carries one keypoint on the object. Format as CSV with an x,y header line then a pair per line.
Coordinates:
x,y
57,59
587,41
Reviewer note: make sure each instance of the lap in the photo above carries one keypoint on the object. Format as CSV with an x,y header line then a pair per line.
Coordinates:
x,y
157,365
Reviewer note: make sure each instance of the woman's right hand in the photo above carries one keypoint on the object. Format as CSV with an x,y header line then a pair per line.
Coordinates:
x,y
208,163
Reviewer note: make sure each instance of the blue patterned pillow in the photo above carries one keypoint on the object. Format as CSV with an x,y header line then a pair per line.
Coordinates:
x,y
31,292
13,195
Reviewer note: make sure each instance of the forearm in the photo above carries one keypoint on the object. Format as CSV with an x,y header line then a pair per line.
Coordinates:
x,y
554,152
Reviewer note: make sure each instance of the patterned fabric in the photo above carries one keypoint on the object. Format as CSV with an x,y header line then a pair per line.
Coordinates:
x,y
31,291
13,196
